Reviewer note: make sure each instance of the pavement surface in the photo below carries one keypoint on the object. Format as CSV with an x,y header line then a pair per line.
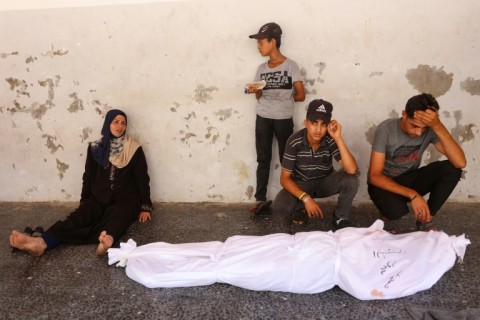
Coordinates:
x,y
71,282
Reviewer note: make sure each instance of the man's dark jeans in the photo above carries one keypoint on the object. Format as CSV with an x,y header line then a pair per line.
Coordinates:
x,y
437,178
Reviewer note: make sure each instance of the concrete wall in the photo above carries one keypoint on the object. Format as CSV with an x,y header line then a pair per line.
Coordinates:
x,y
178,69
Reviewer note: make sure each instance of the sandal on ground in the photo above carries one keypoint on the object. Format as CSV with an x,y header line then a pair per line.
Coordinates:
x,y
300,217
37,232
28,230
260,207
427,226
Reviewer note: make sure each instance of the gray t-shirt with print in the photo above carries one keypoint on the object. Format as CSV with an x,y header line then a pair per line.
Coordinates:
x,y
402,152
277,101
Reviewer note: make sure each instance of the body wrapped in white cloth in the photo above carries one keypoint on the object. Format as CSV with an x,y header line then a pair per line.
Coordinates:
x,y
368,263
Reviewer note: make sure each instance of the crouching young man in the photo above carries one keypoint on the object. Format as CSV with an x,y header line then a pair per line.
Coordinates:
x,y
308,173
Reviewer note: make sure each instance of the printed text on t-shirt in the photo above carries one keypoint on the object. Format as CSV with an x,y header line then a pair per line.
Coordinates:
x,y
277,80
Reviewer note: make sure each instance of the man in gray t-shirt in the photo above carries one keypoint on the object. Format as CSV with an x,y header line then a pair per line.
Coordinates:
x,y
275,105
395,176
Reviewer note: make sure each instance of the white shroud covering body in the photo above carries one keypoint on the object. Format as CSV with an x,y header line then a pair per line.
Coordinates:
x,y
369,263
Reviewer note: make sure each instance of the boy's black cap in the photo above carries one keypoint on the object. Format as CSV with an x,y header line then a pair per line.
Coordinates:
x,y
269,30
320,109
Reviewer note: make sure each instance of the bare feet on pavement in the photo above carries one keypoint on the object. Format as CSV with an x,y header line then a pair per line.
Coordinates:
x,y
105,242
36,246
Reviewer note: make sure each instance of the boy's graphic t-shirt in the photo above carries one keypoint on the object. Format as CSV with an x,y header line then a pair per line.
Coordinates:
x,y
402,152
277,96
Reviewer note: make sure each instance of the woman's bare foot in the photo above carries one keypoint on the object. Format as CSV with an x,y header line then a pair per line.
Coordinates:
x,y
105,242
36,246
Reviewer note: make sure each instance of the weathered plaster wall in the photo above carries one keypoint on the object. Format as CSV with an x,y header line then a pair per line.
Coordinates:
x,y
177,69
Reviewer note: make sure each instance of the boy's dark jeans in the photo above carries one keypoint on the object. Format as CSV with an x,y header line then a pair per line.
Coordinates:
x,y
265,129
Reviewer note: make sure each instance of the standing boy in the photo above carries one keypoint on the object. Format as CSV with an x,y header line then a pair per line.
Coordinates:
x,y
395,177
308,173
275,105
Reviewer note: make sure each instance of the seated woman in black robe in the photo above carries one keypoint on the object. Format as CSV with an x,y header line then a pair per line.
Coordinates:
x,y
115,193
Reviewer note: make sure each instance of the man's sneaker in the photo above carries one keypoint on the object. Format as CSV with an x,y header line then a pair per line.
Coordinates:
x,y
340,224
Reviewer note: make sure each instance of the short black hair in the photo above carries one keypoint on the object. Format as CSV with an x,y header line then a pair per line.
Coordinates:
x,y
421,102
278,40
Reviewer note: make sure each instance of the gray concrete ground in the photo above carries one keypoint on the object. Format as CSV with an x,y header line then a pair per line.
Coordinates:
x,y
70,282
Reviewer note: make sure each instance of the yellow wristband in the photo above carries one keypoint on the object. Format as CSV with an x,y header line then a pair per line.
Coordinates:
x,y
302,195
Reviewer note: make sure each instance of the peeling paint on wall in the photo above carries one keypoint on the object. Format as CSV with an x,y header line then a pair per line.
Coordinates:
x,y
5,55
30,59
212,195
394,114
249,192
77,103
16,108
100,108
52,53
202,93
61,167
50,84
190,116
68,196
320,66
308,82
175,107
14,83
462,133
471,86
227,141
209,134
39,110
429,79
224,114
376,74
370,133
31,190
85,133
50,143
243,171
187,136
